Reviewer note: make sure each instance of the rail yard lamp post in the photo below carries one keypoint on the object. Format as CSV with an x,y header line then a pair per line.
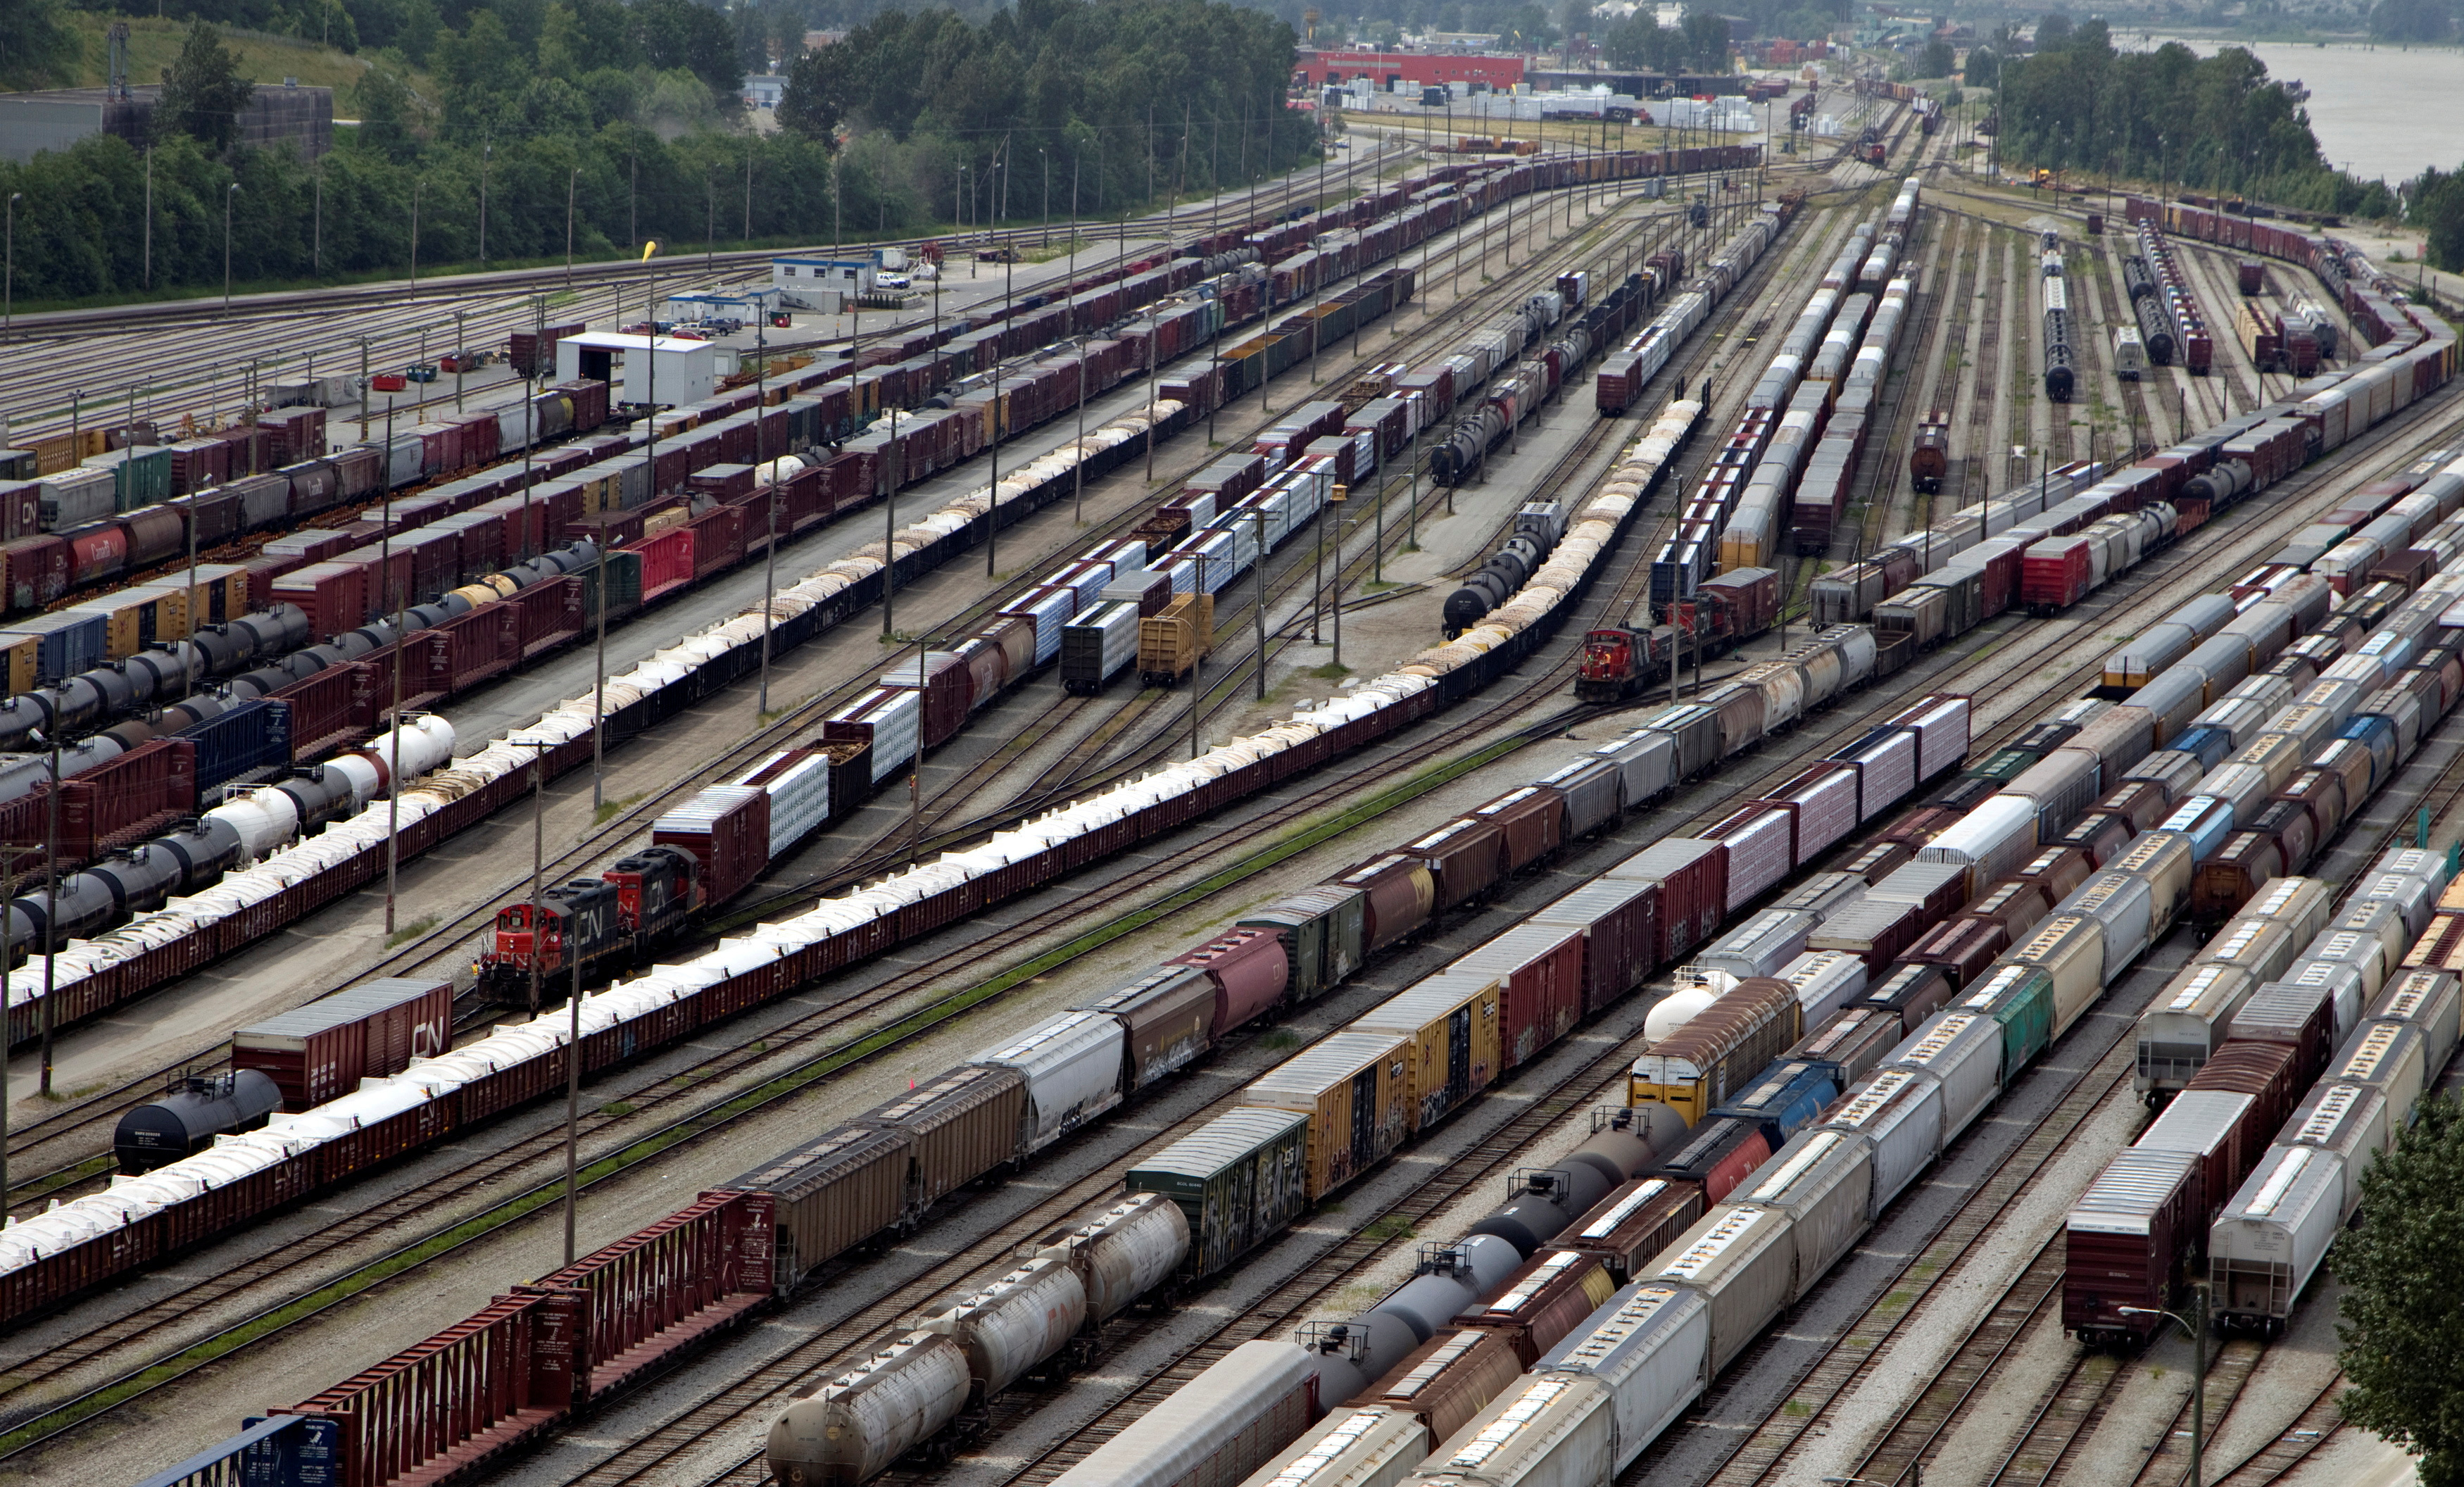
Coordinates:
x,y
1042,155
416,187
487,153
9,276
50,739
227,236
570,183
2198,1331
770,503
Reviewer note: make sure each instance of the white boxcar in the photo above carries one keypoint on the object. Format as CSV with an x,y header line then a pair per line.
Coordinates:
x,y
2349,1119
1556,1430
1991,841
2428,1000
1962,1051
1823,1181
1899,1112
2268,1242
1825,982
1645,761
1744,1261
1220,1426
2387,1056
1650,1345
1376,1446
1072,1064
1761,945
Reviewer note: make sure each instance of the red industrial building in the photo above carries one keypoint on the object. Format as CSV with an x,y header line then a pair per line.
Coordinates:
x,y
1396,70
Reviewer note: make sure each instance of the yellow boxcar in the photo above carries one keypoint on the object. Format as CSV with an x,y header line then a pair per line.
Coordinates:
x,y
1352,1087
1451,1020
1718,1051
18,654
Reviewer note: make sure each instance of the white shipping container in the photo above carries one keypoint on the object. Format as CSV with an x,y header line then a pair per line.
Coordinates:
x,y
1744,1262
1825,982
1073,1065
1942,735
1823,1180
1899,1113
1376,1446
1962,1051
1761,945
799,800
2351,1121
74,498
1991,841
1651,1345
1556,1430
1220,1426
1888,772
2269,1241
1050,608
893,715
1759,856
1826,811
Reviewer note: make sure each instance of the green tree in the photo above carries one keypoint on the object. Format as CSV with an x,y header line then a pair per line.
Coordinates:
x,y
1706,40
387,109
2436,204
37,47
1984,68
1935,61
203,90
2402,1311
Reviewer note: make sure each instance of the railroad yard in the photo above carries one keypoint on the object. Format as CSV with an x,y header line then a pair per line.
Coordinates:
x,y
1643,815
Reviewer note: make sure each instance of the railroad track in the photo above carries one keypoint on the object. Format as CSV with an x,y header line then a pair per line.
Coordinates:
x,y
85,1121
1984,447
2115,297
2092,1091
690,1117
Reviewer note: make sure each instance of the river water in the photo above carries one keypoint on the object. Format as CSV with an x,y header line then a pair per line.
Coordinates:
x,y
2379,112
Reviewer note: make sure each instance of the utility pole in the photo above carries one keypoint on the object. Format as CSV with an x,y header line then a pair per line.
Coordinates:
x,y
770,546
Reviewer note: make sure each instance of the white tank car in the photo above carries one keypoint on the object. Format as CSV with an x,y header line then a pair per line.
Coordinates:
x,y
1015,1323
871,1415
1123,1253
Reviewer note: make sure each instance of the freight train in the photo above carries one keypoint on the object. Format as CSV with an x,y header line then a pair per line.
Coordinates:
x,y
1823,485
41,1268
2197,477
2177,302
2147,308
2021,904
2056,345
1626,372
1929,453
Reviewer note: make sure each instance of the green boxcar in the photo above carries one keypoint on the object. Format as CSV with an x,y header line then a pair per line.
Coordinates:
x,y
1322,930
2021,999
624,585
139,477
1241,1178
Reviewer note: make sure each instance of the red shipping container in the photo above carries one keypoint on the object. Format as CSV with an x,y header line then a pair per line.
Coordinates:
x,y
1540,970
328,709
321,1051
195,464
435,561
549,613
669,466
2054,574
1693,878
480,437
1250,972
949,693
722,483
667,562
309,547
133,796
727,829
37,571
334,595
468,649
717,540
391,572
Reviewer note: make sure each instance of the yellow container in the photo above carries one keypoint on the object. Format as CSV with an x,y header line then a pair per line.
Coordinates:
x,y
1451,1019
1352,1087
18,654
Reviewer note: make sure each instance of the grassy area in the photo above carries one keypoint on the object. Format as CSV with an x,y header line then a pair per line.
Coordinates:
x,y
266,59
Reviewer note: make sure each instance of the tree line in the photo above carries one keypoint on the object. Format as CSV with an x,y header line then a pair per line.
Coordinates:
x,y
2216,123
1116,103
619,109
